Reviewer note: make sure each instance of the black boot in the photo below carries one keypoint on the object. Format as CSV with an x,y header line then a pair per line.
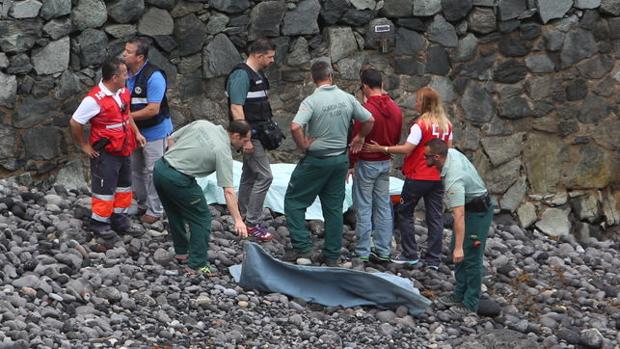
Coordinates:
x,y
120,223
101,229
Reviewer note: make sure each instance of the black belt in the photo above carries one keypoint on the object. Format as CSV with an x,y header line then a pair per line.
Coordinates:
x,y
479,204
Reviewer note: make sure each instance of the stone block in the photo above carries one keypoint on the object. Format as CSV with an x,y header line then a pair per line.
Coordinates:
x,y
190,34
89,14
266,17
590,168
8,90
554,222
510,9
230,6
499,179
526,214
540,64
442,32
550,9
53,58
342,42
513,197
543,156
502,149
303,19
455,10
220,56
42,143
156,22
55,8
25,9
125,11
587,207
579,44
478,104
425,8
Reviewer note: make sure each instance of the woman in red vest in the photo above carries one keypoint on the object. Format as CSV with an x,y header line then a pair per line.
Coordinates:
x,y
421,181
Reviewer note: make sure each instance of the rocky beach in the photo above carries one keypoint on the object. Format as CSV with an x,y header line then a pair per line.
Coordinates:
x,y
62,287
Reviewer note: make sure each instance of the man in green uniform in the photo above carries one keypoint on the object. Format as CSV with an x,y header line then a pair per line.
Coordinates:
x,y
327,114
467,197
198,150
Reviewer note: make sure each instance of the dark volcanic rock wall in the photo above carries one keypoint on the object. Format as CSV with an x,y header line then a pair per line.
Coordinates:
x,y
531,85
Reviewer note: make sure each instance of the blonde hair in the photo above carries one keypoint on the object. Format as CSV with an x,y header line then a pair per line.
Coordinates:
x,y
431,109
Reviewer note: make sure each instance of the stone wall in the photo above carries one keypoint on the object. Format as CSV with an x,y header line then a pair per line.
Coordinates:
x,y
531,85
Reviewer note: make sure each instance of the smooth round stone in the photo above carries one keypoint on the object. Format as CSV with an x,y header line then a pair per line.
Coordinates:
x,y
304,261
55,297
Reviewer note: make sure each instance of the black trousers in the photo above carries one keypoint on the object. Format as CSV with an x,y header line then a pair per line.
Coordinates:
x,y
432,192
110,186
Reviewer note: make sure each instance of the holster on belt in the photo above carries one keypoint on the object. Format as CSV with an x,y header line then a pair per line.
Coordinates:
x,y
479,204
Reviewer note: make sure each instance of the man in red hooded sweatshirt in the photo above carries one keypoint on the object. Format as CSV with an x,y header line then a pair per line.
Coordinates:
x,y
371,172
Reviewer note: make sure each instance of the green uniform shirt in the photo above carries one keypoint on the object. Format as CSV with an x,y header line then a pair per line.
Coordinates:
x,y
328,112
201,148
238,86
461,180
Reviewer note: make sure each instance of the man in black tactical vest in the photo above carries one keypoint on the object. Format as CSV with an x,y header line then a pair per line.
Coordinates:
x,y
247,89
149,109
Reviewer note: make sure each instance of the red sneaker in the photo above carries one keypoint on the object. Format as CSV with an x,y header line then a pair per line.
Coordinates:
x,y
260,233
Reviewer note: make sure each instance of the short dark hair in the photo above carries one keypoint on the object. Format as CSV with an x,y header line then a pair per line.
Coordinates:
x,y
438,147
371,78
142,45
261,46
320,70
239,126
110,67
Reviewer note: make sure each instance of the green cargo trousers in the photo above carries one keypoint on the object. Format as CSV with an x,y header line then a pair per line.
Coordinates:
x,y
468,273
324,177
184,203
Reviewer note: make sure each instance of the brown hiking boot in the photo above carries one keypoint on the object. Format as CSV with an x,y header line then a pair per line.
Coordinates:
x,y
148,219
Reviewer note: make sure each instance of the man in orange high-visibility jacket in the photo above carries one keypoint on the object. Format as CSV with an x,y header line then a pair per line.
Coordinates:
x,y
113,137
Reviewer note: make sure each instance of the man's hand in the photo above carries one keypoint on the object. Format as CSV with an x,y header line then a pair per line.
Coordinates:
x,y
350,173
307,143
170,142
373,147
357,143
241,229
88,150
249,148
140,139
458,255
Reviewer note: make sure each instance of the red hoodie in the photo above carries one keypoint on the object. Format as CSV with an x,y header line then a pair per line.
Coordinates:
x,y
386,130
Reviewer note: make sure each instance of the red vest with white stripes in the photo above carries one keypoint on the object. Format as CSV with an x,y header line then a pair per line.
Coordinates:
x,y
414,166
112,123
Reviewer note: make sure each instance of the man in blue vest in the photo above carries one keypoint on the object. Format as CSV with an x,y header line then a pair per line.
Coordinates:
x,y
247,88
149,109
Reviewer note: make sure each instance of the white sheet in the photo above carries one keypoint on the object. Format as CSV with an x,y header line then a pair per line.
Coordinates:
x,y
275,195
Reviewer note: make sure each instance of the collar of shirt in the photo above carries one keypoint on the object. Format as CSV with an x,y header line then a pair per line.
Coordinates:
x,y
326,87
444,169
107,91
131,76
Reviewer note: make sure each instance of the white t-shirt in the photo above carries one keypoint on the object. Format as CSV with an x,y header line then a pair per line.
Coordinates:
x,y
415,135
89,108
